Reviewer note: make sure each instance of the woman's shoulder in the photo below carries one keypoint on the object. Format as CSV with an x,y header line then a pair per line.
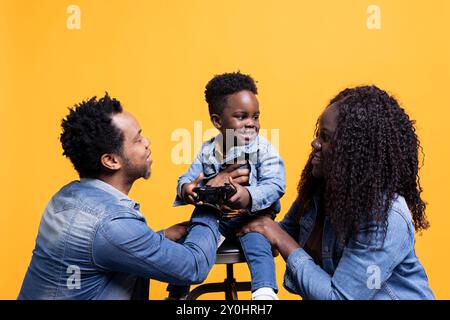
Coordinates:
x,y
399,211
399,227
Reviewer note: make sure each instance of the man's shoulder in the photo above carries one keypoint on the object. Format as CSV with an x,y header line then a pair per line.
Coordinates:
x,y
88,199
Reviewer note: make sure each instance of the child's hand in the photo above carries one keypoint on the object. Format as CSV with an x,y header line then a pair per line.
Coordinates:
x,y
241,199
187,190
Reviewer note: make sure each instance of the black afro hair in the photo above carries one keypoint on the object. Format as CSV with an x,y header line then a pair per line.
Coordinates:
x,y
219,87
88,133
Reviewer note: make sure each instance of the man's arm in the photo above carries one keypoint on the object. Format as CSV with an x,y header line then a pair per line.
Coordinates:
x,y
128,245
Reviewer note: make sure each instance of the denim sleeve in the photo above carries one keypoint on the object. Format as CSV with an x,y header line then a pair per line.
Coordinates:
x,y
289,223
193,172
128,245
271,183
366,263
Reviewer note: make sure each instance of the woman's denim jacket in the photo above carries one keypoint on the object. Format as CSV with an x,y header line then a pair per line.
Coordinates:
x,y
365,268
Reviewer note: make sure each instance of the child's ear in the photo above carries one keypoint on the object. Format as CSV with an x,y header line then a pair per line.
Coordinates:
x,y
217,121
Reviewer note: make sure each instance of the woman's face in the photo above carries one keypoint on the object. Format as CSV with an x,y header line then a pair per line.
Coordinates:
x,y
322,144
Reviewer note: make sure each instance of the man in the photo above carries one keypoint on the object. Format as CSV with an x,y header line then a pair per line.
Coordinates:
x,y
93,243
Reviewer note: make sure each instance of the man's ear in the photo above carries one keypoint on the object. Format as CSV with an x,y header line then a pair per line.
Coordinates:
x,y
111,161
216,120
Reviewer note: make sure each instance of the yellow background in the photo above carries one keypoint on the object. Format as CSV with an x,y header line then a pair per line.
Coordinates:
x,y
156,57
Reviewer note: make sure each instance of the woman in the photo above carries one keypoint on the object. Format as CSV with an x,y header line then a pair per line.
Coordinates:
x,y
350,232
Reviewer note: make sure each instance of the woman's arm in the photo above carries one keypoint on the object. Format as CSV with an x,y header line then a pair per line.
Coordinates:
x,y
365,265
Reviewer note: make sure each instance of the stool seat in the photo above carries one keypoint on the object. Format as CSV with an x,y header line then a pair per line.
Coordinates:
x,y
230,252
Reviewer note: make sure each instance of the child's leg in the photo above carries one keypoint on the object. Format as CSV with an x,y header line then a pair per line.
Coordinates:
x,y
258,252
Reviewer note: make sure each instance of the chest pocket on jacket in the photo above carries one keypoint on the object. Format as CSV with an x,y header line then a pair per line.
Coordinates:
x,y
209,170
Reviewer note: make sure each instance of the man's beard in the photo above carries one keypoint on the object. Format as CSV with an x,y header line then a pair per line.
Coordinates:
x,y
135,172
147,173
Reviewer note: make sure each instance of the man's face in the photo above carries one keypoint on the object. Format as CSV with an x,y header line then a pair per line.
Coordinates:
x,y
136,160
322,144
240,116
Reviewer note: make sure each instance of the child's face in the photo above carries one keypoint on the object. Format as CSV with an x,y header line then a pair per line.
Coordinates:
x,y
241,115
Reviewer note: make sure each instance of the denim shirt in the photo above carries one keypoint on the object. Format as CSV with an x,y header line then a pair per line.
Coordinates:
x,y
267,179
365,268
93,243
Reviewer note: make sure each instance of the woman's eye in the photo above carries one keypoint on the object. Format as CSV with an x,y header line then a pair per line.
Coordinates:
x,y
324,136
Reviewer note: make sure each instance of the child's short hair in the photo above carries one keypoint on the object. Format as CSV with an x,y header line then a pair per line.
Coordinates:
x,y
219,87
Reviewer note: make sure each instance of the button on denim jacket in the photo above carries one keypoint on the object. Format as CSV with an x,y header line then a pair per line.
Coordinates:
x,y
93,243
366,268
267,179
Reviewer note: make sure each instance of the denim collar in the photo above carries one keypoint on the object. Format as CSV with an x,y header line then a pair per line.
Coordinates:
x,y
234,152
123,198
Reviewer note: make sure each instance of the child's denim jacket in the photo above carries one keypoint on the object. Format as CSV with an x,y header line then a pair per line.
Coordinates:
x,y
267,179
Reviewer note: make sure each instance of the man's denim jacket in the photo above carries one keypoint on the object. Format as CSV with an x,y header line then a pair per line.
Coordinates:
x,y
365,268
93,243
267,179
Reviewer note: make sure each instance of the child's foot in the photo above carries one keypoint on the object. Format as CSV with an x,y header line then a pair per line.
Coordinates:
x,y
264,293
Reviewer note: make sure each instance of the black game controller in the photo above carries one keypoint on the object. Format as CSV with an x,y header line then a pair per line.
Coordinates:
x,y
216,196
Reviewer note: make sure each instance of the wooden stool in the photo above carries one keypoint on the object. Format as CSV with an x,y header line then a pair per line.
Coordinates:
x,y
228,253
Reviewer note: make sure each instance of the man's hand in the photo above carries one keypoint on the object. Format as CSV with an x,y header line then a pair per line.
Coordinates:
x,y
241,199
177,231
239,175
187,192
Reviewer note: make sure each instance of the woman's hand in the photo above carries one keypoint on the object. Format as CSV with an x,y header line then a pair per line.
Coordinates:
x,y
270,229
177,231
264,225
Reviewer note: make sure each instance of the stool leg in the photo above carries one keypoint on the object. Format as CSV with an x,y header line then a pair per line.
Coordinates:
x,y
206,288
231,289
229,286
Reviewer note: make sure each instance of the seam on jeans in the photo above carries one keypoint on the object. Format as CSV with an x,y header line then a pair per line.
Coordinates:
x,y
389,291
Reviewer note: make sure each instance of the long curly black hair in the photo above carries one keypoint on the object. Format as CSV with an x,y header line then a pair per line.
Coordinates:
x,y
374,157
88,133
